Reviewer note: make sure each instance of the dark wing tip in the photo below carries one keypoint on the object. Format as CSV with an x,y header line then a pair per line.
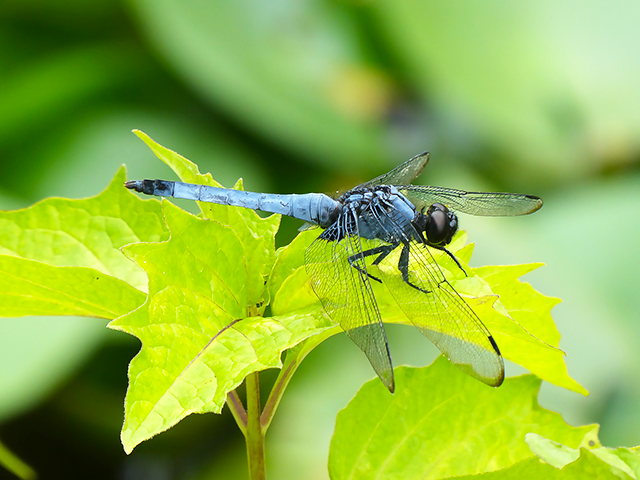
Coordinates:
x,y
537,201
387,377
391,386
424,155
498,381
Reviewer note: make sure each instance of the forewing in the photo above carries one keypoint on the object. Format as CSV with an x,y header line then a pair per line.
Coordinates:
x,y
434,306
473,203
442,315
347,297
403,174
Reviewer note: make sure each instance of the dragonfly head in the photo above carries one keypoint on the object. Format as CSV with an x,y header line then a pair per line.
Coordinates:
x,y
438,224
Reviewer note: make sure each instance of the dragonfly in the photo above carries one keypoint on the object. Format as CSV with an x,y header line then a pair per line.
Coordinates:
x,y
384,231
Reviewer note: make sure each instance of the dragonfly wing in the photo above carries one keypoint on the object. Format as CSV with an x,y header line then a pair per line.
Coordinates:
x,y
403,174
443,316
344,289
473,203
421,290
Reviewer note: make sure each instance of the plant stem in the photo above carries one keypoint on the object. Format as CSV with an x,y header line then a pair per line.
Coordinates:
x,y
237,410
255,434
12,463
287,371
292,360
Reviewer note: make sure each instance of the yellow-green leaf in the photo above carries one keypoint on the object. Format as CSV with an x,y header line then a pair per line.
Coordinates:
x,y
440,423
199,340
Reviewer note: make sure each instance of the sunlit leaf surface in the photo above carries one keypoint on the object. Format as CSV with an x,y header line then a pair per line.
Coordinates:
x,y
85,233
33,288
518,317
587,466
256,233
199,340
624,462
62,257
440,423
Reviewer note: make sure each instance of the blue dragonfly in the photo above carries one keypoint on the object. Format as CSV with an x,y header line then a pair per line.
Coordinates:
x,y
384,231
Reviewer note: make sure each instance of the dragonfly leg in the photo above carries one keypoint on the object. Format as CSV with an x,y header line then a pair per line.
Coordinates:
x,y
403,266
453,258
383,250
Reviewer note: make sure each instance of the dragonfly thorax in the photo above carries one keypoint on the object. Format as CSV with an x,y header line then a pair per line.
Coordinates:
x,y
380,212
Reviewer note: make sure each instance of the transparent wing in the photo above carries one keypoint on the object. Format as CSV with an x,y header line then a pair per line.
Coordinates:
x,y
438,310
347,297
474,203
403,174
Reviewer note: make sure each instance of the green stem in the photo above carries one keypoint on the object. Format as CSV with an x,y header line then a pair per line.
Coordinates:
x,y
293,359
255,433
291,363
237,410
12,463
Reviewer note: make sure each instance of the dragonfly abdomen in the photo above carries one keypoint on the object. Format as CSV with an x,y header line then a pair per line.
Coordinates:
x,y
310,207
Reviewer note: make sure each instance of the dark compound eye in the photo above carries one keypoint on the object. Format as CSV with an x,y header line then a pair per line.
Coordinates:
x,y
441,225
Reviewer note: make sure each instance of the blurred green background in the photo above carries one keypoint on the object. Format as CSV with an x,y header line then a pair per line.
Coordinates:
x,y
537,97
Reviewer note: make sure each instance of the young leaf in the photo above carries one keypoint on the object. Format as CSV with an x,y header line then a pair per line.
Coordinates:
x,y
226,296
288,280
620,460
587,466
505,305
255,232
28,287
62,257
514,319
531,312
440,423
85,233
199,340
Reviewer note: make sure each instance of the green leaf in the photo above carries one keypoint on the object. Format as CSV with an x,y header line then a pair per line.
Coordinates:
x,y
586,466
288,276
521,340
624,462
85,233
440,423
185,169
199,341
62,257
28,287
255,232
558,461
518,317
630,456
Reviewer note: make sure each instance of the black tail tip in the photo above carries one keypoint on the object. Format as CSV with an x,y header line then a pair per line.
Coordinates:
x,y
132,185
